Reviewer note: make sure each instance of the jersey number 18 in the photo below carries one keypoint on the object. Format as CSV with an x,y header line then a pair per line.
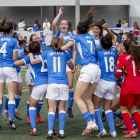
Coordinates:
x,y
110,65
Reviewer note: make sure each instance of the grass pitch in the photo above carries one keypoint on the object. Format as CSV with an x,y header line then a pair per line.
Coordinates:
x,y
73,127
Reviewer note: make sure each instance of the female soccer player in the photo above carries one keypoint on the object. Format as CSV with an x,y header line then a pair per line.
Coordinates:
x,y
57,83
90,71
107,83
40,75
72,52
8,74
128,64
21,52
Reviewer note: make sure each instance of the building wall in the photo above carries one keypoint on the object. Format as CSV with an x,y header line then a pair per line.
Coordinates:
x,y
111,14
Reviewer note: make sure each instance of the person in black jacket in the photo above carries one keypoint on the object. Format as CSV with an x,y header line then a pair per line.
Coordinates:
x,y
119,36
119,23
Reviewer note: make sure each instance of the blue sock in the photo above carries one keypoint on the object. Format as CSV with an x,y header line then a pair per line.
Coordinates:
x,y
11,107
99,119
0,105
57,104
62,118
17,100
32,115
92,115
102,108
118,114
110,120
51,120
70,100
87,117
6,103
39,106
28,105
133,122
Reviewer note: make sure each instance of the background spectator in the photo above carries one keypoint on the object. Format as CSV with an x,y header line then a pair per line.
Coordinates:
x,y
27,43
13,24
41,38
125,24
30,27
119,36
35,27
39,26
46,25
119,23
103,21
21,25
136,28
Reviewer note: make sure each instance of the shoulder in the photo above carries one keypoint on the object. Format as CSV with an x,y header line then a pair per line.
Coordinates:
x,y
70,33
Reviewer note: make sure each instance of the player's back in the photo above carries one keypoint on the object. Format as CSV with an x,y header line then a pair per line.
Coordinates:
x,y
107,60
86,48
57,61
7,46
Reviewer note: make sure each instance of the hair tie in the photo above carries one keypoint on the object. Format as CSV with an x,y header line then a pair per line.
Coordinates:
x,y
16,36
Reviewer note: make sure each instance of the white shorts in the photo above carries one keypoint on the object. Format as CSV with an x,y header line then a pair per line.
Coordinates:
x,y
39,92
105,89
8,74
58,92
118,95
19,78
90,73
29,80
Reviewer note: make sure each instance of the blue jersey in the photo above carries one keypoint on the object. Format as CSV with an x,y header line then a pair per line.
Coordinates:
x,y
39,72
56,61
86,48
97,43
67,38
21,53
107,61
8,44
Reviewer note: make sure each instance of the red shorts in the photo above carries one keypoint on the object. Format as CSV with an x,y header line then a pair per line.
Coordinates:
x,y
129,100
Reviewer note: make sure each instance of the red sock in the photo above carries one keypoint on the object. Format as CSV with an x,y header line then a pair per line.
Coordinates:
x,y
136,117
128,121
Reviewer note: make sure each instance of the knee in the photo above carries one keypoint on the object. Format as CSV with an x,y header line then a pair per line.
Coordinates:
x,y
106,107
114,107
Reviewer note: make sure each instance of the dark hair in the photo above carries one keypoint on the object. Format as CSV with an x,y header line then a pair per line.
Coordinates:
x,y
14,34
70,26
20,20
31,37
25,36
119,20
56,43
34,47
106,41
41,32
131,36
131,47
83,27
124,19
6,27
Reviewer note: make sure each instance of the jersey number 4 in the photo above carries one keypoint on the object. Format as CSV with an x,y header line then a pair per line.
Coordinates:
x,y
3,49
111,66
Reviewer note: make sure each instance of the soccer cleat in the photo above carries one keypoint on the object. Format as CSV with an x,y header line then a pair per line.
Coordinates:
x,y
123,126
70,113
127,131
39,118
28,119
11,124
120,124
5,115
62,135
112,134
17,116
103,116
49,136
87,131
54,133
132,134
94,126
33,132
102,133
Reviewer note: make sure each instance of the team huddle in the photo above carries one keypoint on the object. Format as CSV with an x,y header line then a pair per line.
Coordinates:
x,y
50,74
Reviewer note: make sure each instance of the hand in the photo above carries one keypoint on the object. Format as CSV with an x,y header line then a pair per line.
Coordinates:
x,y
61,10
73,70
105,26
78,67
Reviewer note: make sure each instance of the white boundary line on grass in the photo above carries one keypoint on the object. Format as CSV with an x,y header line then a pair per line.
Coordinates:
x,y
22,91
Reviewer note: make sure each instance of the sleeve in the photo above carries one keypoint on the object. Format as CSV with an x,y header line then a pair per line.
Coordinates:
x,y
26,60
49,25
57,34
114,32
118,73
16,48
75,39
43,56
44,25
114,49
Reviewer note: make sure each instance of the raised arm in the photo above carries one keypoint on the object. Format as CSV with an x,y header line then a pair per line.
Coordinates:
x,y
65,47
105,26
114,33
54,27
34,61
